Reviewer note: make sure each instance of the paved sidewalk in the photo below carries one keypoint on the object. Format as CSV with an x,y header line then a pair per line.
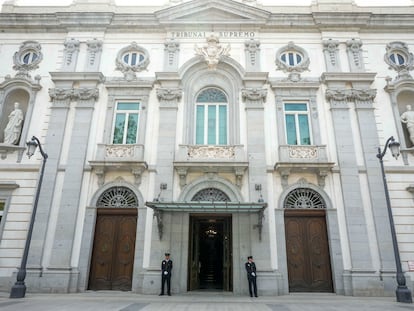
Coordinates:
x,y
124,301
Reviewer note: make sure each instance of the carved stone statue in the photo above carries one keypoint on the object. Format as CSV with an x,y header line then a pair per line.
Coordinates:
x,y
407,117
14,126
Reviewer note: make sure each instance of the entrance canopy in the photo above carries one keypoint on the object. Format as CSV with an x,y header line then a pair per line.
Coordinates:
x,y
219,207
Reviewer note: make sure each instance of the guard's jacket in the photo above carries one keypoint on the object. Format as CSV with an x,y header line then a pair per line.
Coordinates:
x,y
166,266
251,269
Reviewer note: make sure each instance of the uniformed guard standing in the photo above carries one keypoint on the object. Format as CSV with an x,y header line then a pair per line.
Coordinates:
x,y
251,276
166,267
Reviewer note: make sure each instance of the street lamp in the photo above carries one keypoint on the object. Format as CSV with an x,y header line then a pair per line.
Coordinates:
x,y
19,288
402,292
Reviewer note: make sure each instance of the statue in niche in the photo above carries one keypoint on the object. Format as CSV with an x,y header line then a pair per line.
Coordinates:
x,y
407,117
14,126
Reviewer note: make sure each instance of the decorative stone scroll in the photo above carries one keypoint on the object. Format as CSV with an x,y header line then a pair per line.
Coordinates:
x,y
60,94
171,49
252,50
254,94
85,93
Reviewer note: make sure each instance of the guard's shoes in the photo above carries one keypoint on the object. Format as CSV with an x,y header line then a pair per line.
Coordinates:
x,y
162,294
256,296
169,294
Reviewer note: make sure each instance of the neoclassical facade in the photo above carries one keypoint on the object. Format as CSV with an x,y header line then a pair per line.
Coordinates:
x,y
211,130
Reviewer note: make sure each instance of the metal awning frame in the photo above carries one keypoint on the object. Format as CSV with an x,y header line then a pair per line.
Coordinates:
x,y
160,208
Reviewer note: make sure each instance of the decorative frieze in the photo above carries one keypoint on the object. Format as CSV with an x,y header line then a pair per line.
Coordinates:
x,y
343,96
119,151
211,152
85,93
303,152
169,94
60,94
254,94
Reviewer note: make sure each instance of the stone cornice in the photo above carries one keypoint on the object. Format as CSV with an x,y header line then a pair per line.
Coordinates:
x,y
36,20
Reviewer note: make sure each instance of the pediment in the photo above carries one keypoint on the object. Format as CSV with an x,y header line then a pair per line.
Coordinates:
x,y
209,11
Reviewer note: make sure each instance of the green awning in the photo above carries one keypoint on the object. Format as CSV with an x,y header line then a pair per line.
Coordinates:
x,y
207,207
160,208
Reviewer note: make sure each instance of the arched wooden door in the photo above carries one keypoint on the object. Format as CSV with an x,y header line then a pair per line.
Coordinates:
x,y
307,251
307,248
113,249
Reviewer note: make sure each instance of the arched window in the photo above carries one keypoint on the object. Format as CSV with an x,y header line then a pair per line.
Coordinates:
x,y
211,122
304,198
118,197
211,194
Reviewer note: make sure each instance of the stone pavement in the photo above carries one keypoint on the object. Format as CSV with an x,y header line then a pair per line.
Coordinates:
x,y
124,301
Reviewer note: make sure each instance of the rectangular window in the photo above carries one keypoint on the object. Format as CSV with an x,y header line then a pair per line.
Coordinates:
x,y
126,122
211,124
297,124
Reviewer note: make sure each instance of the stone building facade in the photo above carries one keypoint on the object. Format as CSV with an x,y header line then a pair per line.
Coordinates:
x,y
212,130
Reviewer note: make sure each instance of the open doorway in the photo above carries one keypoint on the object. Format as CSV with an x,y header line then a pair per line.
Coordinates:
x,y
210,253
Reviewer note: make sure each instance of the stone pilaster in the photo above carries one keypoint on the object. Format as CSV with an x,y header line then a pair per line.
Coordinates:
x,y
363,99
61,98
72,184
361,257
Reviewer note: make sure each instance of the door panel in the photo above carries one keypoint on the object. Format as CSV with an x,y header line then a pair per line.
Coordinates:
x,y
307,252
113,251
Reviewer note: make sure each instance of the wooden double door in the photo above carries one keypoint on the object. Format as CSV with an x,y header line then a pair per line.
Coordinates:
x,y
307,251
113,249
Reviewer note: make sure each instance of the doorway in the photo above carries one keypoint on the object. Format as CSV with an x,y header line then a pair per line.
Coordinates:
x,y
307,251
113,249
210,253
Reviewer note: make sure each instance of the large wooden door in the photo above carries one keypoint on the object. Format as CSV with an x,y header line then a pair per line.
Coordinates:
x,y
307,251
113,249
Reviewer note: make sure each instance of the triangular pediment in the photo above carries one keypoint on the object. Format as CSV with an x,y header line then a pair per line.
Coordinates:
x,y
212,11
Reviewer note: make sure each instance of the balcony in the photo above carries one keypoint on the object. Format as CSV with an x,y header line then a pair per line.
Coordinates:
x,y
313,159
119,158
211,159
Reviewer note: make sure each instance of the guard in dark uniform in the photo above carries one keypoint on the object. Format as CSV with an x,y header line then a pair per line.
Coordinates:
x,y
166,267
251,276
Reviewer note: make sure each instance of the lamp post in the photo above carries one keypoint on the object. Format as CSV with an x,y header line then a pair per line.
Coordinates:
x,y
19,288
402,292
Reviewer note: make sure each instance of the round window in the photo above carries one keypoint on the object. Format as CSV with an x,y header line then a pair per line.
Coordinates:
x,y
397,58
29,57
133,58
291,58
